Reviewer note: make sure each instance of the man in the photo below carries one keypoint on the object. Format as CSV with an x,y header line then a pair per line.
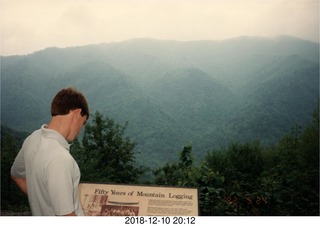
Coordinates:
x,y
44,169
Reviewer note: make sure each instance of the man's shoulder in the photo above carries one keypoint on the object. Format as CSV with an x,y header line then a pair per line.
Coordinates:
x,y
35,135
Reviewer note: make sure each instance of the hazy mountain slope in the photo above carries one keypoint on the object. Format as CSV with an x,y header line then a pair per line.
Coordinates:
x,y
278,98
109,91
193,97
171,93
229,61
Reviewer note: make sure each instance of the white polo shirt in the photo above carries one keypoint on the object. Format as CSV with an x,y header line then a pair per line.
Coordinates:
x,y
51,172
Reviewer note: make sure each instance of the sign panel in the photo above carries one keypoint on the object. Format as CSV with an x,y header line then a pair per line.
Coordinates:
x,y
133,200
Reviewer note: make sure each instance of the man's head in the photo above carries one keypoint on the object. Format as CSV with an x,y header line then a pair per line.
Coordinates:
x,y
69,110
69,99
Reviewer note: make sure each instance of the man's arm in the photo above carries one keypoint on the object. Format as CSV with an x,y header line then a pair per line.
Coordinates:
x,y
21,182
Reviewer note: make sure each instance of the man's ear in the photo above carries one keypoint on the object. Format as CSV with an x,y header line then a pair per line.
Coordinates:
x,y
76,111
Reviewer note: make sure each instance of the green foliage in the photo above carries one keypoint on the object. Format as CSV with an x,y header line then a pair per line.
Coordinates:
x,y
248,179
278,180
185,173
177,174
293,179
11,197
106,155
211,192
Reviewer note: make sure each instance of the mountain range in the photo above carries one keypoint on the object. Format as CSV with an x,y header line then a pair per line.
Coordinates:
x,y
208,93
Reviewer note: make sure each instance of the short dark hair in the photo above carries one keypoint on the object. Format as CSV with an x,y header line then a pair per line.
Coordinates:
x,y
69,99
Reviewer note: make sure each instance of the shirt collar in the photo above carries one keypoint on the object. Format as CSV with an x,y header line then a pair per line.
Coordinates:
x,y
55,135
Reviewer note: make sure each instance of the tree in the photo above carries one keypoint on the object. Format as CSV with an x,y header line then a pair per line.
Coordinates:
x,y
11,196
177,174
106,155
184,173
291,174
241,165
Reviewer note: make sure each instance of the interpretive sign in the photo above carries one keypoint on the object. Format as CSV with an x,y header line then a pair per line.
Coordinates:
x,y
133,200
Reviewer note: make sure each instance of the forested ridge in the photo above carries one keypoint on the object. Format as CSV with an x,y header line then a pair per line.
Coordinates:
x,y
209,93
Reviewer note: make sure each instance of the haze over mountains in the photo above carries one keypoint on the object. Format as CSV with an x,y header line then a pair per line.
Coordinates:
x,y
209,93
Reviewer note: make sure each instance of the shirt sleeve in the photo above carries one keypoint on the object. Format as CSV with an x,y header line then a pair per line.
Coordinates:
x,y
18,166
59,178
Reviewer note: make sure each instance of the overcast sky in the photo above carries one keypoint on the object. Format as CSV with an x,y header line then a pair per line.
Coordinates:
x,y
32,25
